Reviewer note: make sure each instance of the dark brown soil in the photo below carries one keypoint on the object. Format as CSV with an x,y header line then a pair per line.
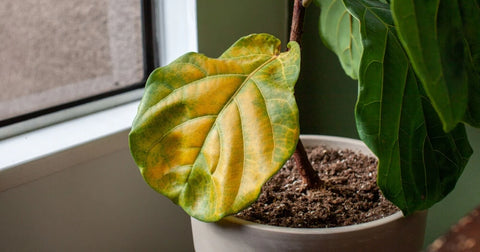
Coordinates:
x,y
350,194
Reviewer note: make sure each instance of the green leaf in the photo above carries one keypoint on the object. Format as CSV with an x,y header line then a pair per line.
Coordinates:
x,y
340,32
442,38
470,12
418,162
210,132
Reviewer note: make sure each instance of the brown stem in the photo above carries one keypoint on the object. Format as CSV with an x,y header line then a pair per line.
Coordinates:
x,y
309,175
298,16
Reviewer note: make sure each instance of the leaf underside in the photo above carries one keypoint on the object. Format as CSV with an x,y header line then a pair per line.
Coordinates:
x,y
442,40
419,163
340,32
210,132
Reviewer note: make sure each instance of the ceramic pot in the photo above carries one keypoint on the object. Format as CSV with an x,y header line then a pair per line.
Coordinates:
x,y
392,233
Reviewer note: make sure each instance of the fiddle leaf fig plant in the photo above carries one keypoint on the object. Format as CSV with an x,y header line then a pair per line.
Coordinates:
x,y
209,132
419,163
340,32
442,40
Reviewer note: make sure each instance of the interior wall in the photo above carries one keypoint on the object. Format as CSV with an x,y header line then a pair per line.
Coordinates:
x,y
325,95
101,205
221,23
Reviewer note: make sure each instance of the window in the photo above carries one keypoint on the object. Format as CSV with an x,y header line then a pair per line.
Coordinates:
x,y
56,55
31,155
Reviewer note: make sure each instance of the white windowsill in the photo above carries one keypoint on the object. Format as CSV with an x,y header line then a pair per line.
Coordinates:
x,y
33,155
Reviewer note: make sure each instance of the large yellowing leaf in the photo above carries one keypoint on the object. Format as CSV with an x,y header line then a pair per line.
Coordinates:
x,y
210,132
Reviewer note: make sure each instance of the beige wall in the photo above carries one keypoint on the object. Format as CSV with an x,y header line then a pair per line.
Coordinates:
x,y
101,205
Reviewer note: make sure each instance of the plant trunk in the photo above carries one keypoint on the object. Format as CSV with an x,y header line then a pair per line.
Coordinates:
x,y
298,16
309,175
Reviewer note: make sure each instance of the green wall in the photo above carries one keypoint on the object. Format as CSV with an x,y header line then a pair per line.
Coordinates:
x,y
221,23
325,95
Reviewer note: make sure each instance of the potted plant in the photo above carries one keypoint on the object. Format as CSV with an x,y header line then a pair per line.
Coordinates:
x,y
210,132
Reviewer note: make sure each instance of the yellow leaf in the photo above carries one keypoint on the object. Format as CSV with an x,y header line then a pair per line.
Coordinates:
x,y
210,132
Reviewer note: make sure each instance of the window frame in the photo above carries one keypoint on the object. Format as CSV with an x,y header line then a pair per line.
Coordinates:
x,y
46,150
62,112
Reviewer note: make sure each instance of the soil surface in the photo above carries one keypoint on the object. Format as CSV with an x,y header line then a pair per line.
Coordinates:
x,y
349,196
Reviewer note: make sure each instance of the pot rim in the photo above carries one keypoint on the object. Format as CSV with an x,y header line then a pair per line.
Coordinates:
x,y
359,146
357,143
330,230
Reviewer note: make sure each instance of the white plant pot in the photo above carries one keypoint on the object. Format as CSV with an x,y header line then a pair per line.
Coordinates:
x,y
392,233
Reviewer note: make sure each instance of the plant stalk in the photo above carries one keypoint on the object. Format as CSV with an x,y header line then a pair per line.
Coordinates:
x,y
298,16
309,175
